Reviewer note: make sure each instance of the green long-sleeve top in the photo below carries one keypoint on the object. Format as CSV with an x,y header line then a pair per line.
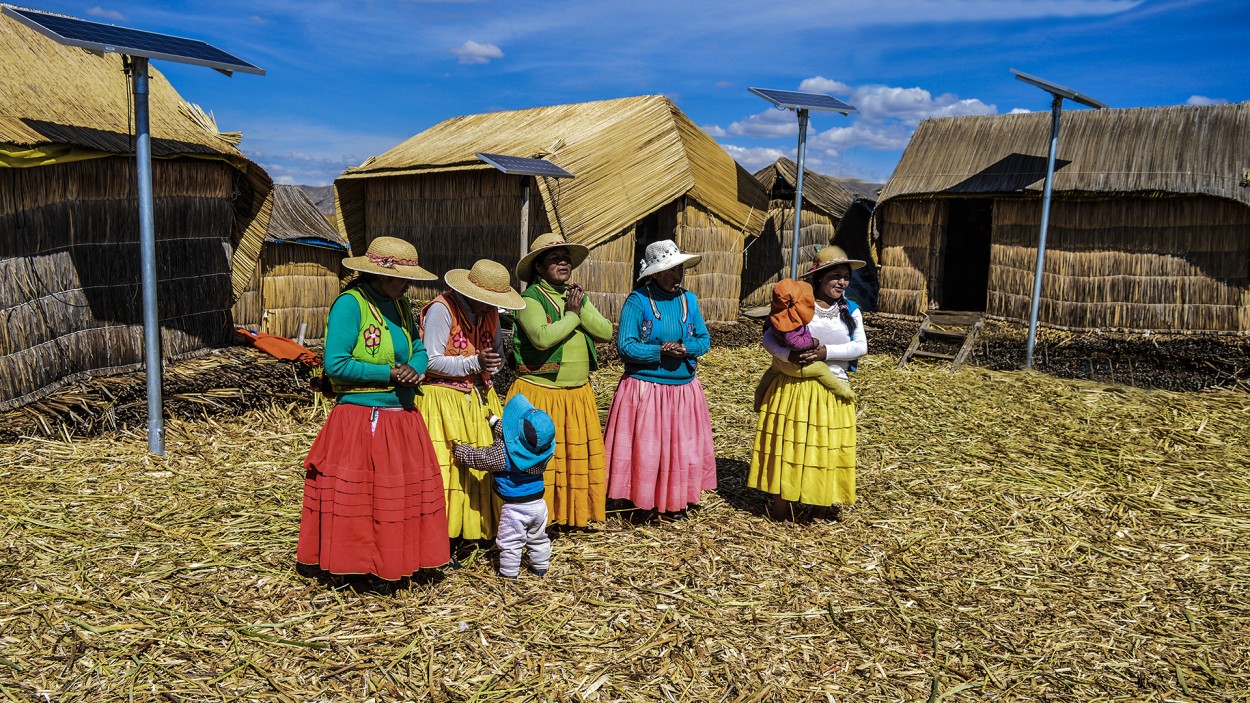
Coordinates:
x,y
570,331
342,331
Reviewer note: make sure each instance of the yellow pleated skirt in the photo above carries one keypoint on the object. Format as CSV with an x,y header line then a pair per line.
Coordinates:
x,y
453,416
804,444
575,478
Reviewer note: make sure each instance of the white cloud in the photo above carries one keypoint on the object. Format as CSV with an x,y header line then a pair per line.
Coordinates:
x,y
768,124
755,158
878,103
870,136
820,84
714,130
1204,100
472,52
1019,111
106,14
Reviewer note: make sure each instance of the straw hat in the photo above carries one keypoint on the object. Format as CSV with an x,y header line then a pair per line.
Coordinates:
x,y
664,255
489,282
388,256
827,257
524,267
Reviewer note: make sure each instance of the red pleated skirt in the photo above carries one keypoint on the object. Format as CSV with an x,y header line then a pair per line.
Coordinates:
x,y
373,495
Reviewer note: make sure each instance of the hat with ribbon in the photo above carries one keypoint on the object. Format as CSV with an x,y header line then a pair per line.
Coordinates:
x,y
489,282
529,435
550,240
664,255
390,256
827,257
793,305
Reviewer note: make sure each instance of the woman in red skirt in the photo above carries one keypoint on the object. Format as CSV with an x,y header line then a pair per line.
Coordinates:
x,y
373,492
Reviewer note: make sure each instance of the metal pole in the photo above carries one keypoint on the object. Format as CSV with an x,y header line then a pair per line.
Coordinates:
x,y
525,218
147,258
798,196
1056,107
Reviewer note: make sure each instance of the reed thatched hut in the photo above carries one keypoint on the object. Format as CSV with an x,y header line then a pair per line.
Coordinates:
x,y
643,171
832,214
296,278
1149,224
69,254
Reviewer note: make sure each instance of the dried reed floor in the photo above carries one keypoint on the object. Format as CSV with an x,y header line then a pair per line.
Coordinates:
x,y
1017,537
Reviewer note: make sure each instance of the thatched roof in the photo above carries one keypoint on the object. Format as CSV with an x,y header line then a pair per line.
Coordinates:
x,y
1183,150
629,156
295,218
819,190
59,95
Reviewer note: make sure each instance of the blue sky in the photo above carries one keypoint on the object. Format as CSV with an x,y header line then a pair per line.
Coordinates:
x,y
348,80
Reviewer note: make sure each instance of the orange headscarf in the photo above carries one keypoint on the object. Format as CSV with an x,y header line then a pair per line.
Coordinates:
x,y
794,304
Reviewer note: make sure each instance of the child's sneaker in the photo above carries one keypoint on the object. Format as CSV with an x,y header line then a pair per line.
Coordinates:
x,y
536,571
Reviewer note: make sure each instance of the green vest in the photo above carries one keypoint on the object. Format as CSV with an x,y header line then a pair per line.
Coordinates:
x,y
545,363
374,344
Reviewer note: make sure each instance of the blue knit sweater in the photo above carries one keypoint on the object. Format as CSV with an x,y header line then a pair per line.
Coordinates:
x,y
652,317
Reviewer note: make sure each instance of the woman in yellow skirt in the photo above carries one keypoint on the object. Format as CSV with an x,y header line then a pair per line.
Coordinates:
x,y
460,330
554,348
805,436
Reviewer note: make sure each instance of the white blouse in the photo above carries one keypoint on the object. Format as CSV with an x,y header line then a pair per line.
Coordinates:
x,y
827,326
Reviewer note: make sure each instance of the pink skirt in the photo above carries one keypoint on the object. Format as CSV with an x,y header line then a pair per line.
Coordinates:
x,y
658,443
373,495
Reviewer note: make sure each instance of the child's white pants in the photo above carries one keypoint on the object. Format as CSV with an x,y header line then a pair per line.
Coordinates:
x,y
523,525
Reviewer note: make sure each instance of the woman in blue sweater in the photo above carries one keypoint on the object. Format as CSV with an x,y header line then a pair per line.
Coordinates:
x,y
658,438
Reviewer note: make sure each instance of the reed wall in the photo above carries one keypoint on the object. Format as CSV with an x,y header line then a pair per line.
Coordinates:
x,y
69,266
909,229
1178,264
717,280
298,284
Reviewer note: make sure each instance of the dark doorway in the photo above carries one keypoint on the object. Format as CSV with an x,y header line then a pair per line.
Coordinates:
x,y
966,254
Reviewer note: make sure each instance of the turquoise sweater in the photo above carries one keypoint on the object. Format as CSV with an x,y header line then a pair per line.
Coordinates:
x,y
641,334
342,330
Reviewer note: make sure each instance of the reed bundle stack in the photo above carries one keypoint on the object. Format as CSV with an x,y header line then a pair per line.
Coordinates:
x,y
643,171
1149,226
69,260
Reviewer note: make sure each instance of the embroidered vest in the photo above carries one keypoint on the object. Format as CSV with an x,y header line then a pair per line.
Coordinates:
x,y
374,344
531,360
465,339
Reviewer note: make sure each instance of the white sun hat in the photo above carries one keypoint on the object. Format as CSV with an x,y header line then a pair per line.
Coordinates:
x,y
664,255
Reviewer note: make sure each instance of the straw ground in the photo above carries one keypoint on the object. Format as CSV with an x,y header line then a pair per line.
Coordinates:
x,y
1017,537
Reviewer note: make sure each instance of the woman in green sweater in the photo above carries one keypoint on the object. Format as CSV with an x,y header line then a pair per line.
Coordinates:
x,y
373,492
554,349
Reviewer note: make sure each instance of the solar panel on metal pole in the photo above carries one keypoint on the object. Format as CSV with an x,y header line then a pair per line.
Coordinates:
x,y
526,167
801,103
140,46
1058,94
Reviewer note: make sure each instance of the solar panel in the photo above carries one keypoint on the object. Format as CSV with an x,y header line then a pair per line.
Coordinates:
x,y
100,37
521,166
795,100
1058,90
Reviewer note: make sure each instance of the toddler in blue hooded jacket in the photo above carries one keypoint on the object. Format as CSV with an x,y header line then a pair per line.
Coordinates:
x,y
524,443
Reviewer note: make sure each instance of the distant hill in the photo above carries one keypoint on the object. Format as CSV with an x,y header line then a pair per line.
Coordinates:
x,y
322,197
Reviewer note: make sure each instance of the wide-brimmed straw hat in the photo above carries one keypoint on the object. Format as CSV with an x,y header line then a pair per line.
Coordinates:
x,y
664,255
489,282
389,256
550,240
827,257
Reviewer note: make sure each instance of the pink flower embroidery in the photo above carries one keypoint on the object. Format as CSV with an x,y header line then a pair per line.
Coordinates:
x,y
373,337
459,342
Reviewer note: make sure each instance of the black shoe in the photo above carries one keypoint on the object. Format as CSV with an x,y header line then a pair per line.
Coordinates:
x,y
540,573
